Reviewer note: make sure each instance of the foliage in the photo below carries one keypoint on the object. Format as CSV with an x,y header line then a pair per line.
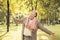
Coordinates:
x,y
44,8
3,8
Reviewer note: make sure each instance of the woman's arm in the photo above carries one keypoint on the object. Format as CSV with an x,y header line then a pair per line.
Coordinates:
x,y
21,20
40,26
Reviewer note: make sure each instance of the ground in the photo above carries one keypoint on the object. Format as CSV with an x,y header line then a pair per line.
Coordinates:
x,y
15,32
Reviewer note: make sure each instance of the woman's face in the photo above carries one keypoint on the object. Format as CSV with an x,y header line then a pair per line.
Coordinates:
x,y
32,15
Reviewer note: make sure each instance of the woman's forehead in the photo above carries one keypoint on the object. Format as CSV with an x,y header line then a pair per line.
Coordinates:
x,y
33,12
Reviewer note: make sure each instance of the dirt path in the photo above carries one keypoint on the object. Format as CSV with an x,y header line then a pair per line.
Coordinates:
x,y
14,35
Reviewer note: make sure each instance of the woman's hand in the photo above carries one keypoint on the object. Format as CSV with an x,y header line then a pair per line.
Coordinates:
x,y
53,36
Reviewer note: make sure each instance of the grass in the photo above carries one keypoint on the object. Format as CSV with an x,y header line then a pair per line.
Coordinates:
x,y
2,29
53,28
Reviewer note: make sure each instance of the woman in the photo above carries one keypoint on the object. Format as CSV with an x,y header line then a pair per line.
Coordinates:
x,y
30,26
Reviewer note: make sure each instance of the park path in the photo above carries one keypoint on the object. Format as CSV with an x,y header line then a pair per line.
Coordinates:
x,y
14,35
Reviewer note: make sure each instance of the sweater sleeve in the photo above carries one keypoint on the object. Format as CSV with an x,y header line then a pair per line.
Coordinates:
x,y
40,26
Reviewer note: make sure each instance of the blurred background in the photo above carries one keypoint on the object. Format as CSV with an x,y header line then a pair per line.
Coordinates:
x,y
13,10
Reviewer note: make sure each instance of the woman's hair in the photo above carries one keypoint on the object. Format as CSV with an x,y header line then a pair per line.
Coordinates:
x,y
36,14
